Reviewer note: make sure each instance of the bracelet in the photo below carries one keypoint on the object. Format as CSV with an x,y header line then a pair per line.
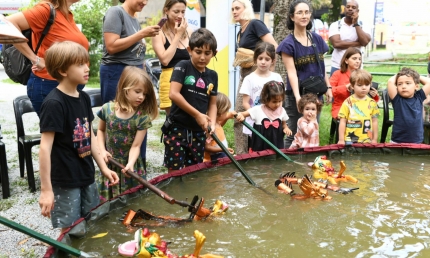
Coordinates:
x,y
37,61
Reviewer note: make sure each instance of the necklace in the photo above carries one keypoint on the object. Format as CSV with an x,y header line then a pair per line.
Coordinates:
x,y
243,27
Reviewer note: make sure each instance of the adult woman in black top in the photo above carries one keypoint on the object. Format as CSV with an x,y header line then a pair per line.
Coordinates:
x,y
171,46
252,31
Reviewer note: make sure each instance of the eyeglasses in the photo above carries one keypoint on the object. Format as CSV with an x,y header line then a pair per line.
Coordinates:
x,y
301,13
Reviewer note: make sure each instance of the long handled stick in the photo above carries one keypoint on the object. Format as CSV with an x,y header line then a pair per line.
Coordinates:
x,y
150,186
221,145
43,238
276,149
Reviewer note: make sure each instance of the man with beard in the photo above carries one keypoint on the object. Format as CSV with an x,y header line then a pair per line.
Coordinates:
x,y
347,32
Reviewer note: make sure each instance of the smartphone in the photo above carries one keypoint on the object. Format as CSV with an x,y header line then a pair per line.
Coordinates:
x,y
375,86
162,22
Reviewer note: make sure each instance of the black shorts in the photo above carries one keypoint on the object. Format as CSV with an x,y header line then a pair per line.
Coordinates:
x,y
183,147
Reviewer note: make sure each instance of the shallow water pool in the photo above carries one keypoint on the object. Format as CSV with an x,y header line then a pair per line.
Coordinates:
x,y
387,217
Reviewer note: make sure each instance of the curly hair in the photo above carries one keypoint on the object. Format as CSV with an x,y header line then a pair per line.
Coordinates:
x,y
270,90
309,98
290,23
409,72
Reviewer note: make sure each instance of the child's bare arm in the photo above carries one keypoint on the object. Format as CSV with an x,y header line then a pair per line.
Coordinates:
x,y
426,84
134,153
229,115
342,126
212,149
101,140
95,151
245,101
285,128
392,87
374,130
176,97
46,200
242,115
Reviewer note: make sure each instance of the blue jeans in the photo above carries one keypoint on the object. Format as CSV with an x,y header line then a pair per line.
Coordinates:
x,y
38,88
109,78
333,69
293,116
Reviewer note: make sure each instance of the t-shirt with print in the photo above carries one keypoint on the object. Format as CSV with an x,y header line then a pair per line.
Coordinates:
x,y
61,30
252,34
197,88
408,118
304,56
252,86
70,118
119,22
358,114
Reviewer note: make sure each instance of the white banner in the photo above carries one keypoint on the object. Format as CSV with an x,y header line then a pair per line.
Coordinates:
x,y
193,14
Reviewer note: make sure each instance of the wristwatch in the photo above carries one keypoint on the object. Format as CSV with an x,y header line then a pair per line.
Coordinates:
x,y
355,25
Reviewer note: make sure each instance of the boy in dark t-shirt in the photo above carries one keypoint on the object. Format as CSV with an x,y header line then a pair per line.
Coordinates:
x,y
193,90
66,167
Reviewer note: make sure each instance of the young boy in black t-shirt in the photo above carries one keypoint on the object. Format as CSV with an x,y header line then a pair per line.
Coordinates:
x,y
66,167
193,90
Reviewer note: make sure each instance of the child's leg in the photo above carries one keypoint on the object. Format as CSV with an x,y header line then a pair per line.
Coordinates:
x,y
72,203
196,147
175,144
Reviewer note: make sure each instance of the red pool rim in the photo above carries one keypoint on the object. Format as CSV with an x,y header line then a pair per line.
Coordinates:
x,y
407,149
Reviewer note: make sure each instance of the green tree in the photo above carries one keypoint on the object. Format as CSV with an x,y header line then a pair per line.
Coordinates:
x,y
334,12
90,14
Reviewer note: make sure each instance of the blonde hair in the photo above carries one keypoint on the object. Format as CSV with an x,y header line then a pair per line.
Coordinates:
x,y
248,12
61,55
223,103
130,77
360,76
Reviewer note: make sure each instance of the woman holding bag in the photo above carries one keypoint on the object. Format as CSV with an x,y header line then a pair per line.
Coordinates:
x,y
252,32
303,56
64,28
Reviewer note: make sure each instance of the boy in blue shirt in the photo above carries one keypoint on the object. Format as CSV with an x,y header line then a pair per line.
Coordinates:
x,y
407,100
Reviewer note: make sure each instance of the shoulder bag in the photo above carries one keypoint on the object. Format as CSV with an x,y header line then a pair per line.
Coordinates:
x,y
314,84
16,65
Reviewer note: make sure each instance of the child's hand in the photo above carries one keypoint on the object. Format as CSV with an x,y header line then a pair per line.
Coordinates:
x,y
112,176
231,151
128,167
105,154
231,114
203,121
287,131
373,92
341,142
46,202
240,117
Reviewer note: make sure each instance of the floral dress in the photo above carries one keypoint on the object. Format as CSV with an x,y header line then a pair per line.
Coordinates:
x,y
120,135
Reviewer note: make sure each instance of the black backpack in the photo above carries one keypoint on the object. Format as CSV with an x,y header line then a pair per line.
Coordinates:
x,y
16,65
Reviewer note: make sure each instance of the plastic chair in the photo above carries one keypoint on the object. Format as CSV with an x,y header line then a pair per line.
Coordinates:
x,y
4,176
21,106
386,121
95,97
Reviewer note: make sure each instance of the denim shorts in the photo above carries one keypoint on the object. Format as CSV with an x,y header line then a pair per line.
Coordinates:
x,y
71,204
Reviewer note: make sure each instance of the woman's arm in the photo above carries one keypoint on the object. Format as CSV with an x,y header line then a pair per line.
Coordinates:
x,y
292,74
269,39
115,44
20,22
166,55
329,93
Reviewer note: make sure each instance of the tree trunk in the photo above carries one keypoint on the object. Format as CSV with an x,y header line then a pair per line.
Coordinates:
x,y
280,31
334,13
